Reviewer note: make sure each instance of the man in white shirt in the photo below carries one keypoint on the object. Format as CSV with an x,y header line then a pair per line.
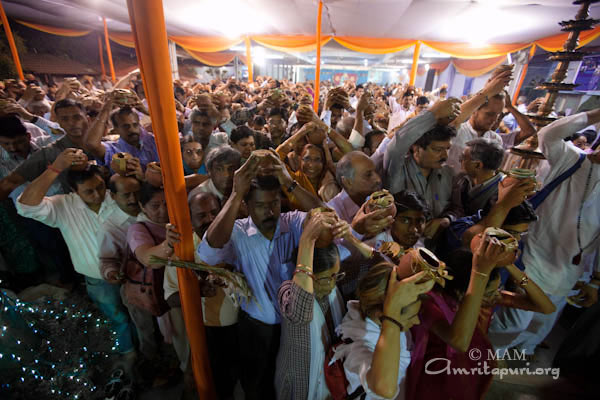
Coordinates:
x,y
79,216
478,115
556,243
401,111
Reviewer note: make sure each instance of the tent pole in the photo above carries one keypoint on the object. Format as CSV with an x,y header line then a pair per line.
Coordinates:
x,y
415,63
249,59
11,43
523,74
109,52
101,57
150,35
318,60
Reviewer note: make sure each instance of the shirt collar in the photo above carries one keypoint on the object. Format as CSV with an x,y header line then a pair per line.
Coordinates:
x,y
282,227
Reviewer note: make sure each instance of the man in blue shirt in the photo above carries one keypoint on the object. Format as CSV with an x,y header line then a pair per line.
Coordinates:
x,y
262,247
133,138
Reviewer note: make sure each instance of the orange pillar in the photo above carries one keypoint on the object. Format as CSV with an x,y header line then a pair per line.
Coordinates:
x,y
101,57
11,43
318,60
249,60
415,63
523,74
150,35
110,60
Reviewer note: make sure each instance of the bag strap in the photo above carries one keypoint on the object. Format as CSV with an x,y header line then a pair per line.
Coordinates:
x,y
540,196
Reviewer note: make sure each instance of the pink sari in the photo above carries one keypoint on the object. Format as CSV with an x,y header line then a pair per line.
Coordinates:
x,y
427,346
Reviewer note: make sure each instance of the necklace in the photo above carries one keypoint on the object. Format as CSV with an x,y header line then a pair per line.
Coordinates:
x,y
577,259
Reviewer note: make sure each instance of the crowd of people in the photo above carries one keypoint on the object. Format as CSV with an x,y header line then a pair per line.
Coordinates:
x,y
376,235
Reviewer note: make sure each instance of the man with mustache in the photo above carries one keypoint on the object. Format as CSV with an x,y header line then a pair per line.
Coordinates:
x,y
262,247
133,139
414,160
219,311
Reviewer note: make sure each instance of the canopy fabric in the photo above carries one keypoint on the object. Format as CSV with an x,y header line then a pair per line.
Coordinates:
x,y
374,45
54,30
122,38
440,67
205,44
466,50
295,43
474,68
212,59
556,42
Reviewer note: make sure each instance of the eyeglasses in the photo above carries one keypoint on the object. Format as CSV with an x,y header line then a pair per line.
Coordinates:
x,y
333,278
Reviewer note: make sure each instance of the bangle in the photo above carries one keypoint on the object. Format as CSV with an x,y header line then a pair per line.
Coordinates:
x,y
302,271
293,186
51,168
480,273
524,281
393,321
302,267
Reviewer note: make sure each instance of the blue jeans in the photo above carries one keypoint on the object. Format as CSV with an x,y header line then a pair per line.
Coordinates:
x,y
108,299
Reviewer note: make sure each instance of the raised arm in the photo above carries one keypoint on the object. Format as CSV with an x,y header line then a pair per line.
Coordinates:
x,y
459,333
509,196
220,229
527,128
534,298
492,87
34,192
93,140
400,305
440,112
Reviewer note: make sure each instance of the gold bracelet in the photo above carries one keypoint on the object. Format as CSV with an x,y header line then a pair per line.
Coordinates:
x,y
304,267
302,271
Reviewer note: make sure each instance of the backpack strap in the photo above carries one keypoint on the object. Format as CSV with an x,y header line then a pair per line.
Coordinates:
x,y
540,196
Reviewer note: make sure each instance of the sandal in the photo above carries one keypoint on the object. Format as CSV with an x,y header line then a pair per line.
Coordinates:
x,y
126,393
115,384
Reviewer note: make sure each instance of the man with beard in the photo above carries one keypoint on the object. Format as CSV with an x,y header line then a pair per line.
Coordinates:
x,y
72,118
262,247
414,160
219,311
133,139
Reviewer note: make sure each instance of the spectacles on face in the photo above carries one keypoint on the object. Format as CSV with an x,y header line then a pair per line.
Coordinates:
x,y
333,278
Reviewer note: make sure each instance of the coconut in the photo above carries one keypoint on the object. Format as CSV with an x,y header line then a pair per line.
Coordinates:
x,y
119,163
420,259
326,236
382,199
510,244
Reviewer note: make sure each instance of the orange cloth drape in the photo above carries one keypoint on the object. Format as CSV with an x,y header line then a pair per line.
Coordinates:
x,y
122,38
473,68
465,50
439,67
212,59
296,43
53,30
523,74
556,42
415,63
318,59
151,46
109,53
205,44
374,45
249,60
11,42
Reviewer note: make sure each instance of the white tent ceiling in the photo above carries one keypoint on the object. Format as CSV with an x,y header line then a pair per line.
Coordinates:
x,y
493,21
